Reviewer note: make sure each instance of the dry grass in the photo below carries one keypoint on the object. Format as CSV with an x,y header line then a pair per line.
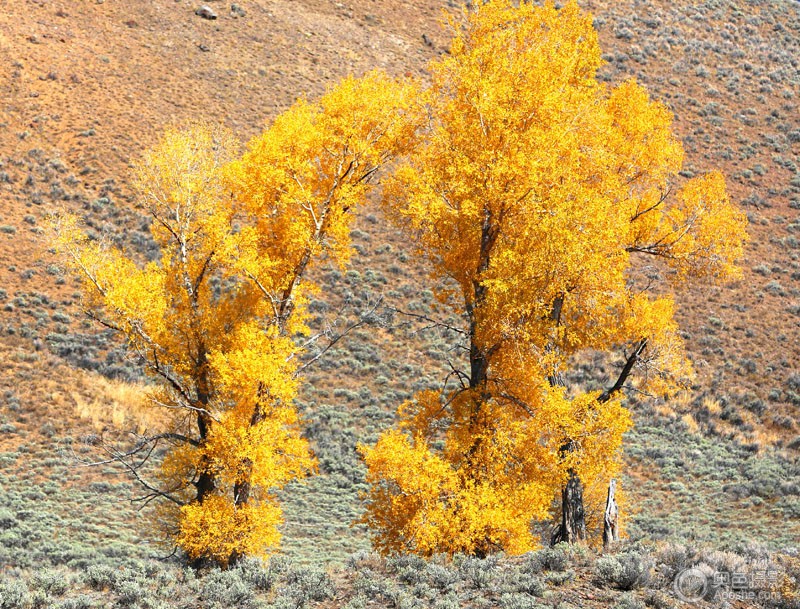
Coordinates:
x,y
691,424
117,404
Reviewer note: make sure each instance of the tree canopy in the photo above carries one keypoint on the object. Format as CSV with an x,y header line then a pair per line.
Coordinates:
x,y
537,195
220,319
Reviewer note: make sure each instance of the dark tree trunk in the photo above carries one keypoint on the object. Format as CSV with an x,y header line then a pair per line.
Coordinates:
x,y
205,486
573,518
205,483
243,488
241,495
479,363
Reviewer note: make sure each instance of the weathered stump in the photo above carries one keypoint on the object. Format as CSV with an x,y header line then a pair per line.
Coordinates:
x,y
573,518
611,518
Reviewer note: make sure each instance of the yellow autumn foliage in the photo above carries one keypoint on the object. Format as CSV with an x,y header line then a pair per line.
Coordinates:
x,y
535,194
217,316
219,529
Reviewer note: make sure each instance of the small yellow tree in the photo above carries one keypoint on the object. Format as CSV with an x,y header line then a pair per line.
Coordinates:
x,y
535,195
218,320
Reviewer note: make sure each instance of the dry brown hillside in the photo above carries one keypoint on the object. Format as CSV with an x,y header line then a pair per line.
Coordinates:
x,y
87,85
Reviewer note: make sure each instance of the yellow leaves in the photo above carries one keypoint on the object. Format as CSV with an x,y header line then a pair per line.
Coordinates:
x,y
596,429
535,189
302,178
216,317
536,182
419,502
374,117
219,529
498,471
664,366
258,362
707,233
179,184
646,151
409,492
266,451
421,414
111,281
412,466
506,56
179,465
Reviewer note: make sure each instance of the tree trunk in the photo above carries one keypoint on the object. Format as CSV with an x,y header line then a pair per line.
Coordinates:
x,y
611,517
205,483
241,496
243,488
573,518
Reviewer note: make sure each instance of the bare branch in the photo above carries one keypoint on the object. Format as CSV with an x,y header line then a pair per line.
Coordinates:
x,y
200,275
463,377
363,319
435,323
655,205
516,401
107,324
625,372
122,458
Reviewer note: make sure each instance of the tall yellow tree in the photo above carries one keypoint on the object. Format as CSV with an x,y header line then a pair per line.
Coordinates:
x,y
220,318
535,197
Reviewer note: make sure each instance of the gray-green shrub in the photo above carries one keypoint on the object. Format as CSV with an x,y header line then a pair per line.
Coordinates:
x,y
626,571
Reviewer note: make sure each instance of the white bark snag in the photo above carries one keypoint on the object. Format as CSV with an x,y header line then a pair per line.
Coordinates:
x,y
611,518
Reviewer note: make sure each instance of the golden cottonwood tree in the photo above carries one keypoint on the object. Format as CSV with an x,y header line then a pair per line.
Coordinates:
x,y
537,193
218,318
